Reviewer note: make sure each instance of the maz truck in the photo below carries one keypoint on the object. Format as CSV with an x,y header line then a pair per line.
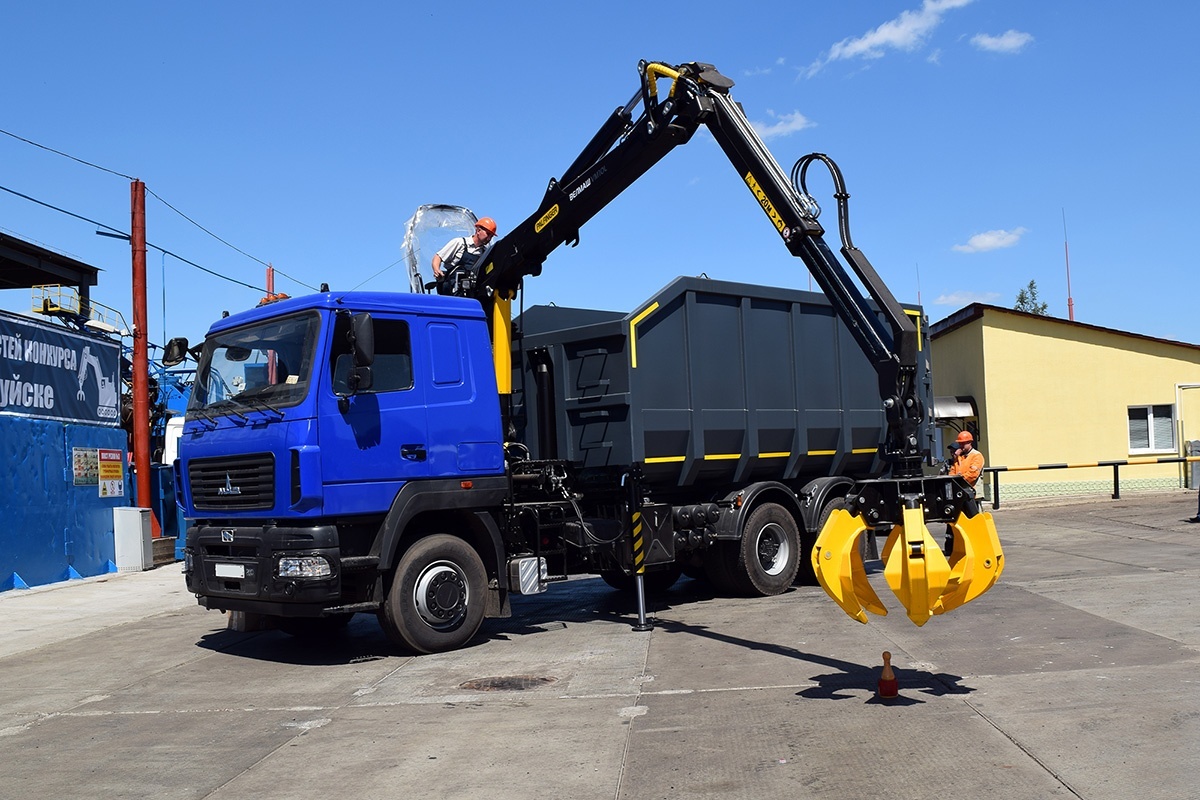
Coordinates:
x,y
420,457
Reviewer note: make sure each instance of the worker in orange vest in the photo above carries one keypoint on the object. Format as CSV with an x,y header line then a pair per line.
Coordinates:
x,y
968,461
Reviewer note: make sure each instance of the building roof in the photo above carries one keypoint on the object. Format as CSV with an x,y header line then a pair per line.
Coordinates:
x,y
24,264
975,311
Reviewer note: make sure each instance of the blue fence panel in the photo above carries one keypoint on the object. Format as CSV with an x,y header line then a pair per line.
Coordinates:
x,y
57,525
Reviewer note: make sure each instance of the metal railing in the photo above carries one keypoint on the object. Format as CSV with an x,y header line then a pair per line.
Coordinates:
x,y
1116,468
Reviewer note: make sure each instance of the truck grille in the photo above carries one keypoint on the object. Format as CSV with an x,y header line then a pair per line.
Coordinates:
x,y
242,483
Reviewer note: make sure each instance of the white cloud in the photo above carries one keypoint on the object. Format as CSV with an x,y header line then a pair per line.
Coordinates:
x,y
753,73
1008,42
959,299
782,124
907,32
991,240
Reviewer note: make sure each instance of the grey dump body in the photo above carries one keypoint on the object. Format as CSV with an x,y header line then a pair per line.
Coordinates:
x,y
706,383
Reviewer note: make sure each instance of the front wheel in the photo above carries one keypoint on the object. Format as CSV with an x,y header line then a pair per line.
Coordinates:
x,y
437,596
768,555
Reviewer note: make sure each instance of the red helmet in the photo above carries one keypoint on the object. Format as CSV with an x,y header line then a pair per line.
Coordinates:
x,y
965,437
488,224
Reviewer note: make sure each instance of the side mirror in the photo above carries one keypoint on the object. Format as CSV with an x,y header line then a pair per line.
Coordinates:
x,y
349,380
175,352
362,339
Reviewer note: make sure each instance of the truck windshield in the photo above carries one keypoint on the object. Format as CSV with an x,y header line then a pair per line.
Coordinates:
x,y
262,366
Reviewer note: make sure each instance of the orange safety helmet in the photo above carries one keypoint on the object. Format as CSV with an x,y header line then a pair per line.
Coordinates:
x,y
964,437
488,224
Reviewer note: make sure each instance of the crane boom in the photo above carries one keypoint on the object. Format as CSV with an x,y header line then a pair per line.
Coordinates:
x,y
906,501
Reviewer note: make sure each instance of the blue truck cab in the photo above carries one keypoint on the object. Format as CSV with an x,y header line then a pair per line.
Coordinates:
x,y
307,466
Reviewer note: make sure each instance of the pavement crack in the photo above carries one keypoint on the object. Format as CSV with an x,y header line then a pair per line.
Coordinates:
x,y
640,681
1017,743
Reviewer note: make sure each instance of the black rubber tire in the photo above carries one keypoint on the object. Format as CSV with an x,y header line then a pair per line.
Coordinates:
x,y
768,555
314,628
656,581
437,596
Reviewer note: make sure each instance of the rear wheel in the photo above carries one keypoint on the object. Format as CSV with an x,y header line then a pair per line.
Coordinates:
x,y
437,596
769,552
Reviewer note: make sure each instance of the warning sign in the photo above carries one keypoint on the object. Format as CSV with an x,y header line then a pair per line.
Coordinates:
x,y
111,476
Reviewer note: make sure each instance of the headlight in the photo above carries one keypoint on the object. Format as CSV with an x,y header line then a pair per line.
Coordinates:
x,y
304,567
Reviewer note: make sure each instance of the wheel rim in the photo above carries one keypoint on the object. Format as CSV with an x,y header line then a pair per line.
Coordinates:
x,y
773,548
440,595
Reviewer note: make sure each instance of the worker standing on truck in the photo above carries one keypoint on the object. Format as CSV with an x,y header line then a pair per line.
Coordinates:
x,y
462,253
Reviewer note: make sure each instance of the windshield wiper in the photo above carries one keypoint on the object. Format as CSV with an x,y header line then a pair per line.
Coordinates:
x,y
258,404
232,403
200,412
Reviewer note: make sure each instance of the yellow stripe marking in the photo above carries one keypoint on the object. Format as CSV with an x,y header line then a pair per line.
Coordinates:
x,y
666,459
822,452
916,315
633,332
723,457
784,454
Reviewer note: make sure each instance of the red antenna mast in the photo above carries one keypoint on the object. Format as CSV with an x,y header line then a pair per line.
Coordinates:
x,y
1067,255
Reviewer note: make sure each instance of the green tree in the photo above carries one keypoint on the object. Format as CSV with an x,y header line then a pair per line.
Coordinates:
x,y
1028,301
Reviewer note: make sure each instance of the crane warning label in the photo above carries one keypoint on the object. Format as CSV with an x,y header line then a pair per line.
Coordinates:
x,y
765,202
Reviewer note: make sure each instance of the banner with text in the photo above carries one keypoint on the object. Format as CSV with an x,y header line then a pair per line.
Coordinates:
x,y
49,372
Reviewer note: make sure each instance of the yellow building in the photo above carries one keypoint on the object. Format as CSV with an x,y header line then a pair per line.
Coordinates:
x,y
1049,391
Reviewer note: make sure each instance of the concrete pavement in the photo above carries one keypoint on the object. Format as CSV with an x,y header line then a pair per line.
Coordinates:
x,y
1075,676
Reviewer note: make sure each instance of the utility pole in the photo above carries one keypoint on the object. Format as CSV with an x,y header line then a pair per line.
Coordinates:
x,y
141,359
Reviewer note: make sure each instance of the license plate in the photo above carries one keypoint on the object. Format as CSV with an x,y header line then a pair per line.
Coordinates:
x,y
230,570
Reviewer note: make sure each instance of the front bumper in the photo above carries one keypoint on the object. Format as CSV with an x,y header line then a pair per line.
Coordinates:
x,y
236,568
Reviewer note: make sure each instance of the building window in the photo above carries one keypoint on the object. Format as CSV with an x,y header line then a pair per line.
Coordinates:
x,y
1151,429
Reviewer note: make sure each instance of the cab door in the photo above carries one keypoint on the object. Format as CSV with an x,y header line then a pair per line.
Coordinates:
x,y
375,441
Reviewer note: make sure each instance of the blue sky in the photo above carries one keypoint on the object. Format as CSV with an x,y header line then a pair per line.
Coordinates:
x,y
305,134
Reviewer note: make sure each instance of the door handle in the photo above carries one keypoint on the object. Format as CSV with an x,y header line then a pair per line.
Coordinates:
x,y
412,452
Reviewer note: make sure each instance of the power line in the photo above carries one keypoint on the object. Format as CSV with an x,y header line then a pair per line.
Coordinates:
x,y
206,230
123,235
64,211
205,269
68,155
157,197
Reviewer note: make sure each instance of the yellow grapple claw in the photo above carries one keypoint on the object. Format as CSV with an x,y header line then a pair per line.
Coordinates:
x,y
915,567
975,562
839,566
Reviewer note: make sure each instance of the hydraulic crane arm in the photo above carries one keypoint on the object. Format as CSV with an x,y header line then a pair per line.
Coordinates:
x,y
623,150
